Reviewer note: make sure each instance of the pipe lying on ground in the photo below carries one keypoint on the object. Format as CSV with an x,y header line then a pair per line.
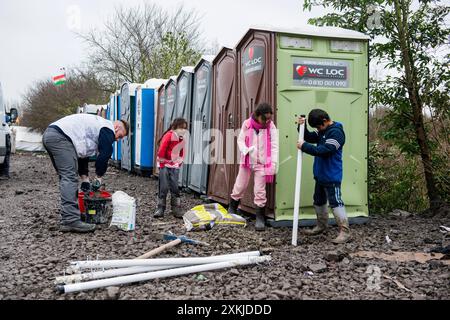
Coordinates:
x,y
160,274
105,264
79,277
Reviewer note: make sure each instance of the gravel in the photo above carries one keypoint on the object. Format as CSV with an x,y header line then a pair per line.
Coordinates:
x,y
33,252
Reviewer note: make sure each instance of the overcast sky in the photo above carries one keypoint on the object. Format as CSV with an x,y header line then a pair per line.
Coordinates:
x,y
37,37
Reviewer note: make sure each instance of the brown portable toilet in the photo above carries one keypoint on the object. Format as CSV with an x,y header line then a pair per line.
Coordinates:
x,y
255,84
159,123
222,175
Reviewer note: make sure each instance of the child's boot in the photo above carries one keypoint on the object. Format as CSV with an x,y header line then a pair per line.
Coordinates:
x,y
322,221
233,207
175,203
341,220
159,213
260,223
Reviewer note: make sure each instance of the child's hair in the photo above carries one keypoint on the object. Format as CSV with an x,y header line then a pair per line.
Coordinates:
x,y
176,123
262,109
317,117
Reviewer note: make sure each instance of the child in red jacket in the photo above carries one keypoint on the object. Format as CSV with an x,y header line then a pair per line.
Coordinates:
x,y
170,159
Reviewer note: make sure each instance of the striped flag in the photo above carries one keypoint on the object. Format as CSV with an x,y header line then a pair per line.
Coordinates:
x,y
60,79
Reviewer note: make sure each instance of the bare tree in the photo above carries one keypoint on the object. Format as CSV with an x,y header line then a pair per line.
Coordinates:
x,y
143,42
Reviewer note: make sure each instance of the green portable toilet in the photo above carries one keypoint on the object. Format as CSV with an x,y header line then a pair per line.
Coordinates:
x,y
297,70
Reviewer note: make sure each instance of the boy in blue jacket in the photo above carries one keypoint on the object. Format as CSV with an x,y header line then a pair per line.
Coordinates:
x,y
329,139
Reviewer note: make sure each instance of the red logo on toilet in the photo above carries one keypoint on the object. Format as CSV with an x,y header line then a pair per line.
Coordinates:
x,y
301,70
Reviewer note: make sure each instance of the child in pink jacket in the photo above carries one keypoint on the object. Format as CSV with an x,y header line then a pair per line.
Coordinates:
x,y
258,144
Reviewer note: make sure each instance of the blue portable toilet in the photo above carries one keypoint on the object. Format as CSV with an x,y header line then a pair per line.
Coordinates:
x,y
108,110
127,113
110,116
145,121
117,144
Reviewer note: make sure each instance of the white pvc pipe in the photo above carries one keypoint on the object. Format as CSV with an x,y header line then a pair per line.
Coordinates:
x,y
79,277
104,264
161,274
298,182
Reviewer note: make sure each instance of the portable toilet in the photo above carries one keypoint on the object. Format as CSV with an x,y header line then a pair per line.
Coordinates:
x,y
94,109
117,144
224,102
111,110
145,116
183,107
159,123
171,96
200,125
297,70
108,111
127,113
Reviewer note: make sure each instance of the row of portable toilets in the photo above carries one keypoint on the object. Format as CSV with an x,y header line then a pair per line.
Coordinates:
x,y
293,70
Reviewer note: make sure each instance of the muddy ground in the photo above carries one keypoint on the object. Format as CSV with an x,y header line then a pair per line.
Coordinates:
x,y
33,252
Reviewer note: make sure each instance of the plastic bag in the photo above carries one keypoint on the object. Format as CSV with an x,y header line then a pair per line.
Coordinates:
x,y
205,217
124,211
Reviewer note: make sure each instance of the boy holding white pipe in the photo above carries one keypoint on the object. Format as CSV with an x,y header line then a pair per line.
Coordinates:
x,y
329,139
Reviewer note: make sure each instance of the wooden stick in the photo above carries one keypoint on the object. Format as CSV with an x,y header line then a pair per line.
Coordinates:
x,y
160,249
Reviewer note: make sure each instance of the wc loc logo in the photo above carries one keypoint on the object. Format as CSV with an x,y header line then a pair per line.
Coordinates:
x,y
302,71
253,59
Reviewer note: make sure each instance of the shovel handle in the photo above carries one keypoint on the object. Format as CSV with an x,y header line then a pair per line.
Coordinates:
x,y
160,249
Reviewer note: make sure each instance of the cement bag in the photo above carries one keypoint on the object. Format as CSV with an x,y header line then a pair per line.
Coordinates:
x,y
205,217
124,211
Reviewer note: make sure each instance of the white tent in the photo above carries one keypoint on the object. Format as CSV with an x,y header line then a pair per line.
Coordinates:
x,y
28,140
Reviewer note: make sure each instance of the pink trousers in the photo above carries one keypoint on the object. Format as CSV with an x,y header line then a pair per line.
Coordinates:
x,y
259,189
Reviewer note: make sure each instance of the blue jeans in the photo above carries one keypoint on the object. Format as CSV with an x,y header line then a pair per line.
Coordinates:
x,y
330,192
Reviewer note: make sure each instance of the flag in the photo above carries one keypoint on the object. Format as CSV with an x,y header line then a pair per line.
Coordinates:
x,y
60,78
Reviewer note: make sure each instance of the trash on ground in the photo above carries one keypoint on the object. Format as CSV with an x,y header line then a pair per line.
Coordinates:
x,y
444,229
206,216
400,256
124,211
388,240
398,283
400,213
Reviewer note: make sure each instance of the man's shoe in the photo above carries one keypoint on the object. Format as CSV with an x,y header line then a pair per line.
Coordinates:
x,y
77,227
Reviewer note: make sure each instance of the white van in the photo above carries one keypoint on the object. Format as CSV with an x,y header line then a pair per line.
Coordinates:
x,y
5,134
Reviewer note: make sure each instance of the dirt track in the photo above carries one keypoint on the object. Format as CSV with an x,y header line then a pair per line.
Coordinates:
x,y
33,252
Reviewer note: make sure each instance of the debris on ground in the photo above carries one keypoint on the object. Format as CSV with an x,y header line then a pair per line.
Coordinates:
x,y
318,267
419,257
398,283
400,213
388,240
